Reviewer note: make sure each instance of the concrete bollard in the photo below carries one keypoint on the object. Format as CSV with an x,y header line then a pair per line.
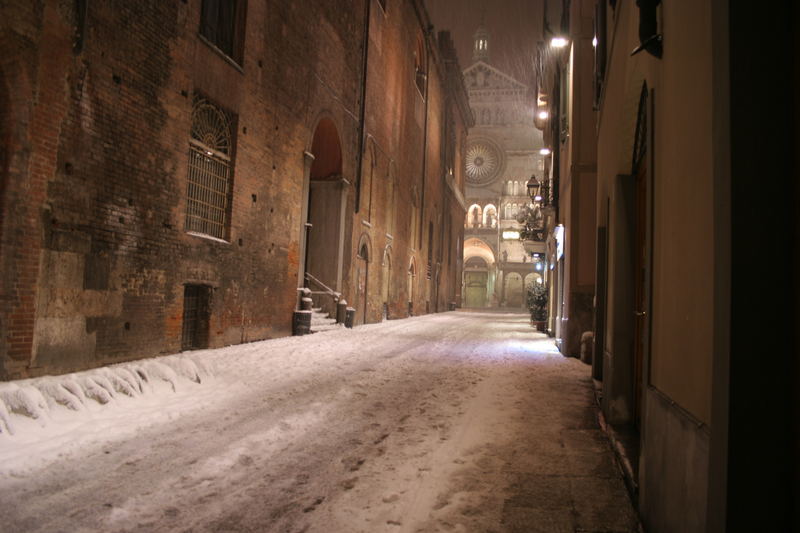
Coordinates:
x,y
350,316
301,322
341,311
587,345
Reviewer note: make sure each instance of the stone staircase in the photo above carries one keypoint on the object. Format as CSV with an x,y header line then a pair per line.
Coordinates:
x,y
320,321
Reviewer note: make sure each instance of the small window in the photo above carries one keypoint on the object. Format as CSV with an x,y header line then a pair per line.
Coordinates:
x,y
210,170
196,300
222,24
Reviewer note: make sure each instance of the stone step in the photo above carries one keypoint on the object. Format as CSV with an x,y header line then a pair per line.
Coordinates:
x,y
326,327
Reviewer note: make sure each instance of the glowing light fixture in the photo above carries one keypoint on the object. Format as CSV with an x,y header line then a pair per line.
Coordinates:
x,y
558,42
594,41
543,115
511,235
545,151
537,198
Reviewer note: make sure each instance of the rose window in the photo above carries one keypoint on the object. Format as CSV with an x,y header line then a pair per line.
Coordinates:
x,y
483,163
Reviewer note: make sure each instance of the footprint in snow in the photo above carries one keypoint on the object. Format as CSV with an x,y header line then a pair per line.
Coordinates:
x,y
348,484
314,505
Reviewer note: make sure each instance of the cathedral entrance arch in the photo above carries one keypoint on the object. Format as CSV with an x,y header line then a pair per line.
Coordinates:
x,y
479,273
476,274
325,209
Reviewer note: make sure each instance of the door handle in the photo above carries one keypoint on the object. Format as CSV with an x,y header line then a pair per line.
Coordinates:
x,y
640,313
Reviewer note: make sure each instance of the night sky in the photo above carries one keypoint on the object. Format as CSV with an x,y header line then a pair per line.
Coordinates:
x,y
514,26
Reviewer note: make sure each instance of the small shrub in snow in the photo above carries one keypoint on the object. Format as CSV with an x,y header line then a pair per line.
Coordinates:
x,y
5,418
156,370
56,393
119,382
183,366
69,382
204,369
25,400
129,376
94,390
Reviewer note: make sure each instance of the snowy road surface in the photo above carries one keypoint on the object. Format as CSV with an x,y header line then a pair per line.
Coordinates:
x,y
466,422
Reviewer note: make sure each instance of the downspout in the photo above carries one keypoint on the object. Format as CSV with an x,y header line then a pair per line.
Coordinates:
x,y
424,145
362,111
444,195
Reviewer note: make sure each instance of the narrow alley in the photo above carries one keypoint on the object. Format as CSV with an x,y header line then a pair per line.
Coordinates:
x,y
460,421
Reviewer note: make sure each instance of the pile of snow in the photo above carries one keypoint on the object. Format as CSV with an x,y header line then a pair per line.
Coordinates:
x,y
36,398
55,405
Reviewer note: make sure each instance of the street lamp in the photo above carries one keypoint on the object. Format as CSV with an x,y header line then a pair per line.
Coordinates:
x,y
534,189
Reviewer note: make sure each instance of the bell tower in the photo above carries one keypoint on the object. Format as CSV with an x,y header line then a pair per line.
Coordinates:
x,y
480,44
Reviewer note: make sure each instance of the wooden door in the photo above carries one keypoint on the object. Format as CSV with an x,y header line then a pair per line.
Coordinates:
x,y
641,319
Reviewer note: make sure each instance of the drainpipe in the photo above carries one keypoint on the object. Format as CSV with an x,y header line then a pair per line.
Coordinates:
x,y
362,112
425,142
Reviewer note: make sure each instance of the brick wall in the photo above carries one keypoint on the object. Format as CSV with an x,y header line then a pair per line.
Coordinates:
x,y
95,255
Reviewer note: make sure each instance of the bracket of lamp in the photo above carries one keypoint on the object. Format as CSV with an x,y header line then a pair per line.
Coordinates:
x,y
652,44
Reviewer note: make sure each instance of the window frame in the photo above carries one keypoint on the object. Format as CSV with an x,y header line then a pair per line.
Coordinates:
x,y
202,176
238,26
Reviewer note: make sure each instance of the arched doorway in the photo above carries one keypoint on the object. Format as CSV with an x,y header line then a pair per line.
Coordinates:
x,y
324,229
362,277
476,274
534,278
386,281
474,216
513,290
490,216
479,274
410,278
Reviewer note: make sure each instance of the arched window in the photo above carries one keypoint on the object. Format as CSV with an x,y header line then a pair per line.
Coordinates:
x,y
210,170
490,216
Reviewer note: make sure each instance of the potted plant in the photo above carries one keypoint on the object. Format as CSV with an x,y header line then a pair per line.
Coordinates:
x,y
537,304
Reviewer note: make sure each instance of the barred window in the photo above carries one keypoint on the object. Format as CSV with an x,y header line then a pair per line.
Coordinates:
x,y
210,170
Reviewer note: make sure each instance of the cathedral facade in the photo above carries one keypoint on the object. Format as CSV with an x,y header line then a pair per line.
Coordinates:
x,y
502,155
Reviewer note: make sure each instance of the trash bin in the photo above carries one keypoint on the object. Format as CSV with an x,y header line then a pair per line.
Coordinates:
x,y
350,316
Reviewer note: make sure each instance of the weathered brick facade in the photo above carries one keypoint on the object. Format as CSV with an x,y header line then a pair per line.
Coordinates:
x,y
95,116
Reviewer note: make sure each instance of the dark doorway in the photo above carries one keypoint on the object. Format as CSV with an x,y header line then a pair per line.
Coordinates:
x,y
196,300
641,255
640,292
362,275
386,283
324,228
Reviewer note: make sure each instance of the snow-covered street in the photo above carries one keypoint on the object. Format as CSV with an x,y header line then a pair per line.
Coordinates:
x,y
457,421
